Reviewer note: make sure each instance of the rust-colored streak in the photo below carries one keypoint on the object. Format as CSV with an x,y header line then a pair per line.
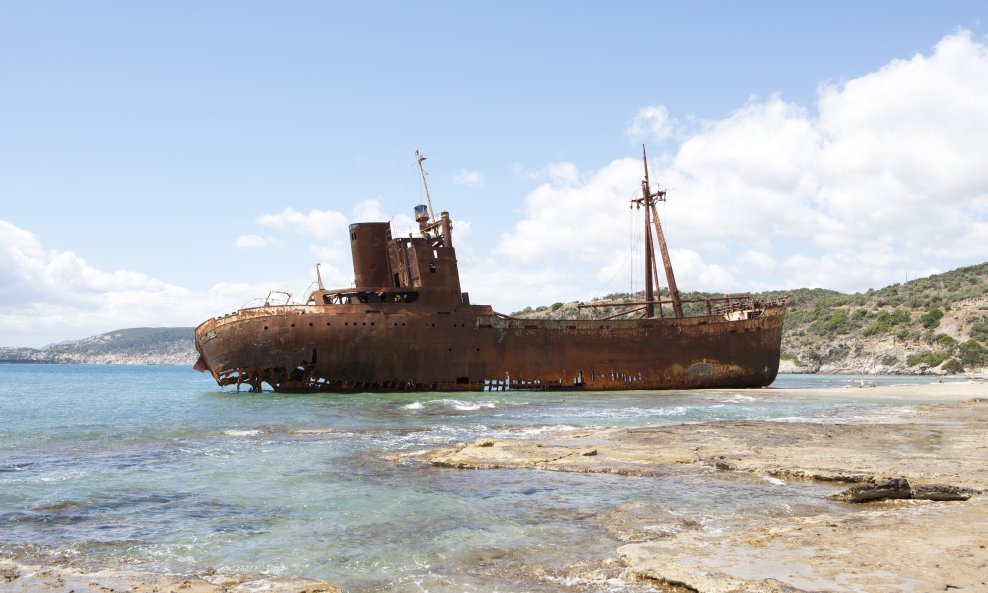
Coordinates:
x,y
386,347
406,326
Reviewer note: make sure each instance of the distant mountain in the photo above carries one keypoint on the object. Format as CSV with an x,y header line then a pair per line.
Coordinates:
x,y
139,345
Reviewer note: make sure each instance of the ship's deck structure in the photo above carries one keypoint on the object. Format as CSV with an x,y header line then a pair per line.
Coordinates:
x,y
408,326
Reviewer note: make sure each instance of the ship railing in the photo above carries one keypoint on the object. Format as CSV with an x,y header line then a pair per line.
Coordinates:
x,y
712,305
267,301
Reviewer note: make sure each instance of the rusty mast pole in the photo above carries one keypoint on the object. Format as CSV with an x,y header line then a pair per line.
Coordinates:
x,y
649,256
420,157
677,305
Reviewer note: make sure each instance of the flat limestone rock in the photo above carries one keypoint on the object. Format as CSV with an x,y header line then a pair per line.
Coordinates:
x,y
924,477
941,444
919,546
18,578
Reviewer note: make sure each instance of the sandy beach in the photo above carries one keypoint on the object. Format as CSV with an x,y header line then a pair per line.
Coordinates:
x,y
921,525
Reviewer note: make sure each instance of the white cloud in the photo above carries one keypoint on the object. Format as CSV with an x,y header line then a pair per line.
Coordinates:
x,y
886,178
253,242
321,224
368,211
49,295
469,177
650,124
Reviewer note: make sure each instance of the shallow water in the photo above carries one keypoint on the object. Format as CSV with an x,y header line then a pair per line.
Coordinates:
x,y
160,467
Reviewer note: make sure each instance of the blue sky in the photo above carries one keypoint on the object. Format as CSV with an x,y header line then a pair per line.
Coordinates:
x,y
163,162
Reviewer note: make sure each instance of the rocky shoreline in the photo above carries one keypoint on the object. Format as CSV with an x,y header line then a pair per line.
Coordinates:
x,y
63,577
902,506
915,516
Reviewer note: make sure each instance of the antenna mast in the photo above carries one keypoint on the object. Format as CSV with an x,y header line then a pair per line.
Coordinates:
x,y
421,157
648,200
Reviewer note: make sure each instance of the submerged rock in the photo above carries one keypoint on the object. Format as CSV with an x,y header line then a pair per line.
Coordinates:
x,y
899,488
895,488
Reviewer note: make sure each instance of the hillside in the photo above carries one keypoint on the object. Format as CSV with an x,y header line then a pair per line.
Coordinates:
x,y
141,345
937,324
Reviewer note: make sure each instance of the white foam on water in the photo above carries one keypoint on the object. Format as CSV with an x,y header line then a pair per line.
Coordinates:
x,y
414,406
465,407
242,433
739,398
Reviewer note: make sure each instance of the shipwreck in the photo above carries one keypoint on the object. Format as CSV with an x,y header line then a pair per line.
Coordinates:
x,y
406,325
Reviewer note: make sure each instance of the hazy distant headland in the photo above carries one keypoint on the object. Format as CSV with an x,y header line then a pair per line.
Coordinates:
x,y
932,325
139,345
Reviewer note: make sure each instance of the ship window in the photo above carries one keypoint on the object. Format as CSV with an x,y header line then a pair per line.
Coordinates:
x,y
293,325
432,268
310,325
265,327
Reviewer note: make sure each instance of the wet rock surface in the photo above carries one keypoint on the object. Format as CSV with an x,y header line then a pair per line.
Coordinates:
x,y
65,578
914,517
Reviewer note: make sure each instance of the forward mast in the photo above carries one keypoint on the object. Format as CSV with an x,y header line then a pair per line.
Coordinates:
x,y
648,201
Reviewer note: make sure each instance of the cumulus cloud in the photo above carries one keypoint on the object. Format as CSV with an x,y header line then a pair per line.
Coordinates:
x,y
368,211
469,177
252,242
650,124
884,178
322,224
50,295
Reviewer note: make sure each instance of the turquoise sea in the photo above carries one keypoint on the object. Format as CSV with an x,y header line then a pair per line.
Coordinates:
x,y
157,467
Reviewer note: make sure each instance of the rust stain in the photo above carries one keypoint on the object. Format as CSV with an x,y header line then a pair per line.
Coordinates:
x,y
407,326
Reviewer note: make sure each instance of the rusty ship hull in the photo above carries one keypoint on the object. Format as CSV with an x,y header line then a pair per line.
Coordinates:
x,y
406,326
356,348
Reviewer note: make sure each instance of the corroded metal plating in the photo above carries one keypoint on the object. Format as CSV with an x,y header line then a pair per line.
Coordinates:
x,y
408,327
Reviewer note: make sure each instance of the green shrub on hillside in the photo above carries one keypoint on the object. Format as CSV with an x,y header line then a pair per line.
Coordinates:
x,y
834,322
945,341
973,354
931,318
886,321
979,331
929,358
953,366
